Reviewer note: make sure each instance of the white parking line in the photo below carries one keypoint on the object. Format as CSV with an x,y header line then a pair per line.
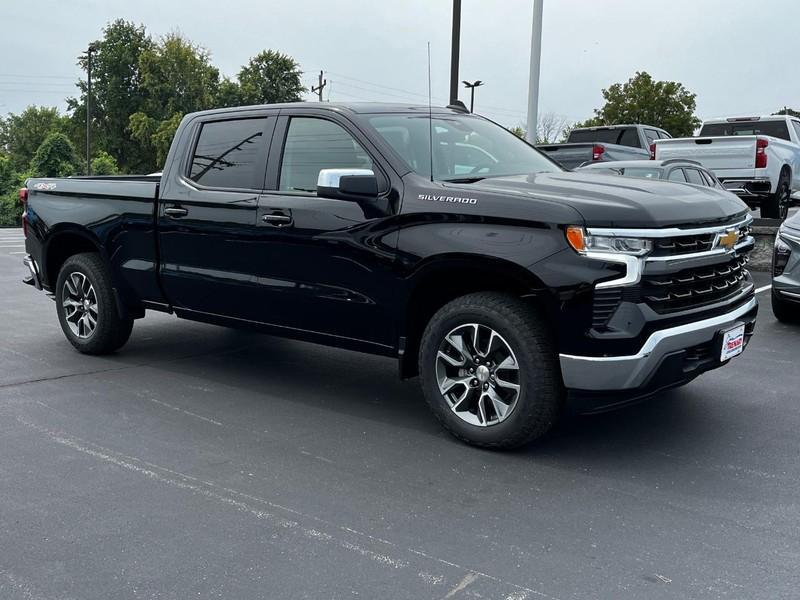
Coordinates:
x,y
17,253
763,288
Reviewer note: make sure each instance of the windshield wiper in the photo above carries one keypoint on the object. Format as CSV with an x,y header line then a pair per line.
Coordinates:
x,y
465,179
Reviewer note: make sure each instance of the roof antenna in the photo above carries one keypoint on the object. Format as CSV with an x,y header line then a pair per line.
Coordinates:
x,y
430,110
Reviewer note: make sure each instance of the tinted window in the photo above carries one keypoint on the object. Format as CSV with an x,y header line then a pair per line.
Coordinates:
x,y
776,129
664,135
229,154
677,175
651,135
626,136
630,137
693,175
316,144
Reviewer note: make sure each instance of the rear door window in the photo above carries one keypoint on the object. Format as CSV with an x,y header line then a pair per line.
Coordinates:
x,y
694,176
630,138
651,135
230,154
677,175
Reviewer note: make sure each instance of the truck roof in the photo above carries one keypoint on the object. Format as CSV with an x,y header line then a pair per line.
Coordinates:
x,y
352,107
750,119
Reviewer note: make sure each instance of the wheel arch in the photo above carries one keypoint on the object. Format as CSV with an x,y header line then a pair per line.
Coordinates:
x,y
63,243
444,278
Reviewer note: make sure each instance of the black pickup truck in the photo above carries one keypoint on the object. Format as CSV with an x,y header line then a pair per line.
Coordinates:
x,y
513,288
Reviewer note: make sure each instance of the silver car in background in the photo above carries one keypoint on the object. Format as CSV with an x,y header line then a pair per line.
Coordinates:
x,y
786,272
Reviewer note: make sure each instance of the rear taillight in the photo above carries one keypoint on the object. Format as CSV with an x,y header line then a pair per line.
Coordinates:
x,y
761,153
23,198
653,151
597,152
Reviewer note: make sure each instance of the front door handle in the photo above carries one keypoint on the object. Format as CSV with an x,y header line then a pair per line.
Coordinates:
x,y
175,212
277,219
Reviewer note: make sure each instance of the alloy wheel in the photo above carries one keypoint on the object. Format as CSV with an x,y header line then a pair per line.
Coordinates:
x,y
478,374
80,305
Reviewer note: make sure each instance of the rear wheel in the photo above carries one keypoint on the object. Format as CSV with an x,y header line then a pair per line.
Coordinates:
x,y
87,310
784,310
489,371
777,205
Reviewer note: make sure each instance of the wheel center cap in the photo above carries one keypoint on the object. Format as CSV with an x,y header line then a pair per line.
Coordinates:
x,y
482,373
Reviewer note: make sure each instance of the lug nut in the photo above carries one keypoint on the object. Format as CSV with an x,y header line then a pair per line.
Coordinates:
x,y
486,386
474,382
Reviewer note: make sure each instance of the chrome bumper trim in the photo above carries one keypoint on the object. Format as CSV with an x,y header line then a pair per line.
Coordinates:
x,y
599,373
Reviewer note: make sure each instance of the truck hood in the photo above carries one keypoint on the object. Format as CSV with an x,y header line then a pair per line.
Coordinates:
x,y
616,201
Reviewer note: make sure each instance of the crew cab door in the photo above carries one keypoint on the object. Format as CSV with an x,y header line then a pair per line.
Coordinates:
x,y
207,215
325,265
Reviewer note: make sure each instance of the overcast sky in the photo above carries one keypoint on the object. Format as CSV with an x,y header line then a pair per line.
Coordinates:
x,y
740,57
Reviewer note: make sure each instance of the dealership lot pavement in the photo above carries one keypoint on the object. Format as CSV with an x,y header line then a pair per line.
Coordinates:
x,y
210,463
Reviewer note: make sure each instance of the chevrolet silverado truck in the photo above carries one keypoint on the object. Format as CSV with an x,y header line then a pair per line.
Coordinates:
x,y
513,288
587,145
757,158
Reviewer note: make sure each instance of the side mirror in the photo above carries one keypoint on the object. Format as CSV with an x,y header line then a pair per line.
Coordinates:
x,y
347,184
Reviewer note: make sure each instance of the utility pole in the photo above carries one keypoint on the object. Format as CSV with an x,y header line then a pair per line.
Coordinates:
x,y
454,51
89,51
472,87
318,89
533,77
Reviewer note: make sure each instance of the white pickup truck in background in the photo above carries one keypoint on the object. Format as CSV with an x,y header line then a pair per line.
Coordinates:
x,y
757,158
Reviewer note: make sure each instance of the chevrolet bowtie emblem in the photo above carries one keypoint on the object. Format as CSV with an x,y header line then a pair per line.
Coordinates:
x,y
728,239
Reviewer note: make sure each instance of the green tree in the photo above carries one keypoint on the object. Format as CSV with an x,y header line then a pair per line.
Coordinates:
x,y
116,94
104,164
177,78
788,111
270,77
22,134
664,104
55,157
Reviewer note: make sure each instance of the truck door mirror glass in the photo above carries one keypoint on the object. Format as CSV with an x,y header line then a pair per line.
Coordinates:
x,y
347,184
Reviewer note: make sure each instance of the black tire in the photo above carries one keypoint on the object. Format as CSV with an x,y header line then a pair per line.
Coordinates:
x,y
777,205
784,310
541,392
110,331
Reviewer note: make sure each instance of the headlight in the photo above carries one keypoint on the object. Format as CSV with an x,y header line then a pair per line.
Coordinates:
x,y
584,243
780,256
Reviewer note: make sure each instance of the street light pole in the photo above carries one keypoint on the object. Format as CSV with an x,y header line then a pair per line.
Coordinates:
x,y
89,51
472,87
533,77
454,51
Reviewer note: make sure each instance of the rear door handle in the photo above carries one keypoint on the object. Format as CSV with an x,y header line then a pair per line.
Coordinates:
x,y
277,219
175,212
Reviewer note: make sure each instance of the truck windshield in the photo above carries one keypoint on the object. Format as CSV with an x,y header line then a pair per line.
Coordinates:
x,y
777,129
465,148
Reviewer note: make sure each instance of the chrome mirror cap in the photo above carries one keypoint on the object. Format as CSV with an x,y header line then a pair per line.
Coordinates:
x,y
329,178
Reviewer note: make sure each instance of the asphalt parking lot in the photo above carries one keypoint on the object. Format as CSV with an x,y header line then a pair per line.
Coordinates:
x,y
210,463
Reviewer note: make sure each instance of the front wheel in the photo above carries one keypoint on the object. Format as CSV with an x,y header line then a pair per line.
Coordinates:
x,y
87,310
489,370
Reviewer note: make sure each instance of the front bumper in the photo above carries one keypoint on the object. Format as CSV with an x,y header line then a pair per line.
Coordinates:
x,y
635,372
34,278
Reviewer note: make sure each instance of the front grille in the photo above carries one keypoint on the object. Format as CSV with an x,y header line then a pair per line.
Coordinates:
x,y
687,244
690,244
695,287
